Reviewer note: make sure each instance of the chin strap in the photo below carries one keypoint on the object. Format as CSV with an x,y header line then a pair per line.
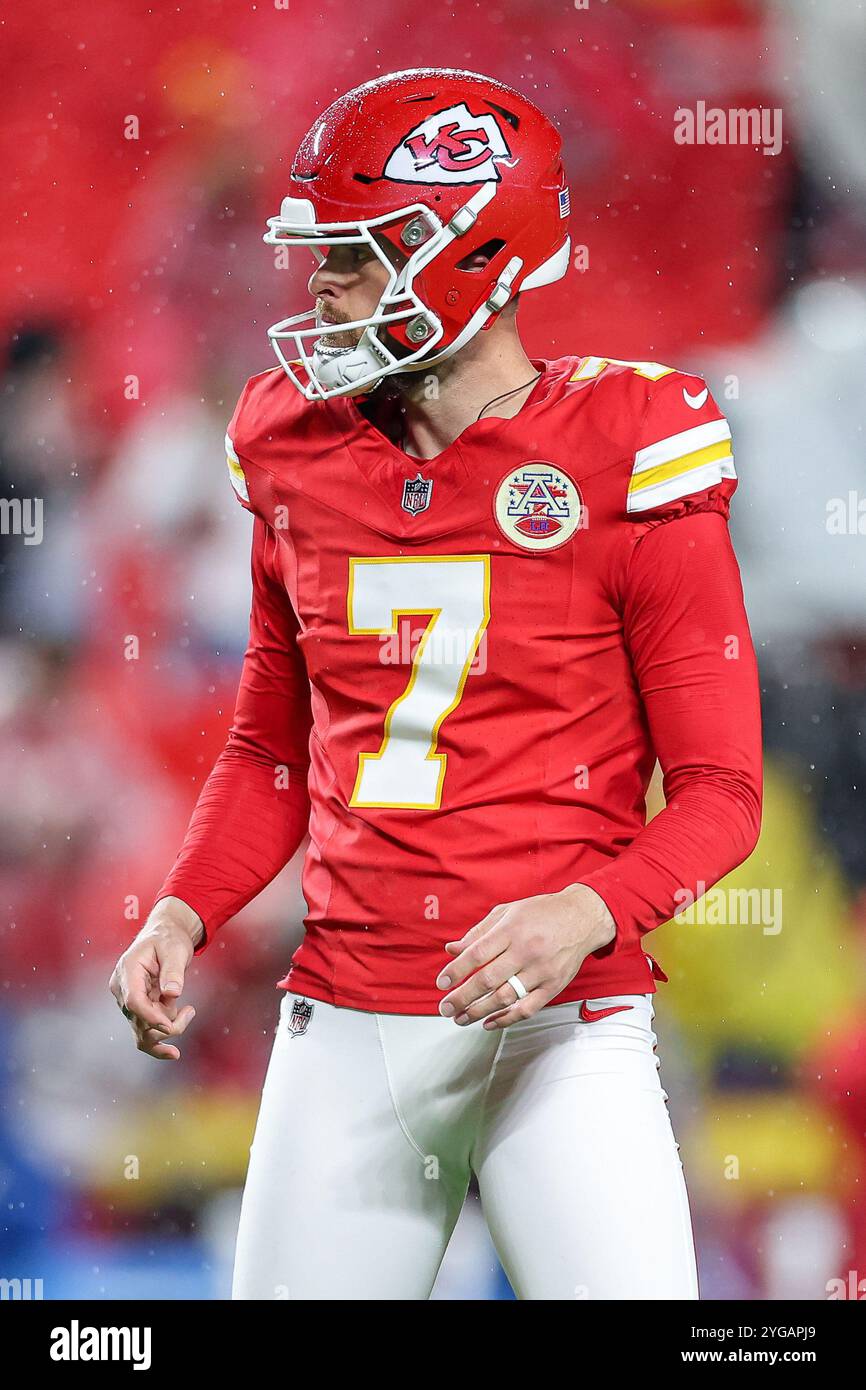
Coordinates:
x,y
343,367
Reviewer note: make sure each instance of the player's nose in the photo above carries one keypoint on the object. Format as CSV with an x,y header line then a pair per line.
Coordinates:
x,y
330,277
321,285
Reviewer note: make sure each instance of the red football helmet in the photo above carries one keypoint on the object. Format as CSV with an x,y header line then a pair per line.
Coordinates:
x,y
425,167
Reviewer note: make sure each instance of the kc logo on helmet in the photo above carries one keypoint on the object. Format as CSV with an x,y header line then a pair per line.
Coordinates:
x,y
451,146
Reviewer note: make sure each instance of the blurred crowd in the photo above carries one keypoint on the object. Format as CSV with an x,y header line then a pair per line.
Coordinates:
x,y
147,149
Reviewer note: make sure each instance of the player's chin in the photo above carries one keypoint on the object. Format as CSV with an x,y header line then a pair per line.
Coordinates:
x,y
339,342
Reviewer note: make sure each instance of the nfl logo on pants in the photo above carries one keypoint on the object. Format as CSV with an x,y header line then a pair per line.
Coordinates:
x,y
302,1012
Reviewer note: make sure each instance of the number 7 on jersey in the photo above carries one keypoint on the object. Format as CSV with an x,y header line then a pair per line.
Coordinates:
x,y
406,771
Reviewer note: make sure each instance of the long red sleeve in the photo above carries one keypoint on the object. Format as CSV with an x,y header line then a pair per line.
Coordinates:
x,y
693,660
253,810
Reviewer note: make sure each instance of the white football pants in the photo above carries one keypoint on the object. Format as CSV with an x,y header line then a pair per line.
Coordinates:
x,y
371,1125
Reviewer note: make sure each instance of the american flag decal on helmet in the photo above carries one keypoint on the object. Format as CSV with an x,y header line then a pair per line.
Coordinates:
x,y
564,202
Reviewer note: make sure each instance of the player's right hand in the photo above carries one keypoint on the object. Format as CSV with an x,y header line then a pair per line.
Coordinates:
x,y
148,979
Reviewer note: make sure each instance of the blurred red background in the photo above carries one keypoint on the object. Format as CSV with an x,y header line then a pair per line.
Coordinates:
x,y
143,150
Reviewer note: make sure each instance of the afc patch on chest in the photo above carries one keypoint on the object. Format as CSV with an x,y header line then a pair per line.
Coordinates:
x,y
538,506
417,492
299,1019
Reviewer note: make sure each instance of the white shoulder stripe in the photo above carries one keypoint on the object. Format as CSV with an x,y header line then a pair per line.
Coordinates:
x,y
672,489
236,472
677,445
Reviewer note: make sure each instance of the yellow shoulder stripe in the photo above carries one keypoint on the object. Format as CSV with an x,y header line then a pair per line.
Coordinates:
x,y
686,462
236,472
676,467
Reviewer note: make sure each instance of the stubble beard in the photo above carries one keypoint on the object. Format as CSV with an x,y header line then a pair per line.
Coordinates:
x,y
336,342
408,385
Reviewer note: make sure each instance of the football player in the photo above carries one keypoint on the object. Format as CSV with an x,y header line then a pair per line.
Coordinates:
x,y
489,592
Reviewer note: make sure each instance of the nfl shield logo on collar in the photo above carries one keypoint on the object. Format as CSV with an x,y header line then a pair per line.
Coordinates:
x,y
416,493
302,1012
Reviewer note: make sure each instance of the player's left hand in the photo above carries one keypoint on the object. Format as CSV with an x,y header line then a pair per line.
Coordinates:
x,y
542,940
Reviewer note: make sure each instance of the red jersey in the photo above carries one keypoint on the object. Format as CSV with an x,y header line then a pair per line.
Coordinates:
x,y
469,665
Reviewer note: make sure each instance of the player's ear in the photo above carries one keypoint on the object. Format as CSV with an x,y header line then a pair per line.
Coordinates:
x,y
481,257
511,307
